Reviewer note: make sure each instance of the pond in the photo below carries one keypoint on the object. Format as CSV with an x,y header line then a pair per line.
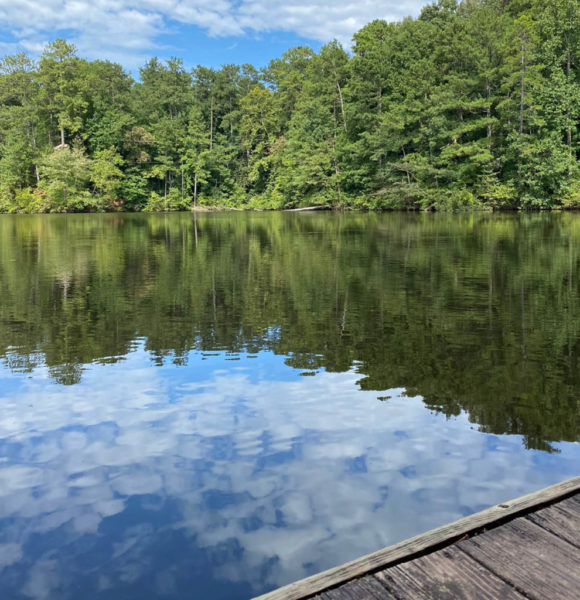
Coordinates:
x,y
211,406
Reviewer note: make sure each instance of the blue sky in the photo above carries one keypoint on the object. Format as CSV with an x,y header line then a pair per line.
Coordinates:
x,y
208,32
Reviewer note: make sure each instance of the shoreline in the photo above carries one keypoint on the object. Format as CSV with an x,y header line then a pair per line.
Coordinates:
x,y
311,209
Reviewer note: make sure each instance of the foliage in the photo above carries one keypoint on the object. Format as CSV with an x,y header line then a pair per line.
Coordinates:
x,y
475,104
64,179
107,176
171,202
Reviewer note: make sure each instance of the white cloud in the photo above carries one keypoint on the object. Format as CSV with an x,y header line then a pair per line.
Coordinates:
x,y
321,20
126,29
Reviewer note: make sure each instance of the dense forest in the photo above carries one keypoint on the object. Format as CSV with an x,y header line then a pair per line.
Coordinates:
x,y
471,105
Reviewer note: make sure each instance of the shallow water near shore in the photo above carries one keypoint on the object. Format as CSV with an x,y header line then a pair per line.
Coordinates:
x,y
214,405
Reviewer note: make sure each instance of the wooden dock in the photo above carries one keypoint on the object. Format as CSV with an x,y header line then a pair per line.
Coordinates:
x,y
528,548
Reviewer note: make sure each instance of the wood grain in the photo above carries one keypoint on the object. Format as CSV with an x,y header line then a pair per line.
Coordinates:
x,y
366,588
572,504
423,543
447,574
560,521
533,560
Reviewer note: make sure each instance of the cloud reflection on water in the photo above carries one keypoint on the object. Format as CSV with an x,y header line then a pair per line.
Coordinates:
x,y
224,481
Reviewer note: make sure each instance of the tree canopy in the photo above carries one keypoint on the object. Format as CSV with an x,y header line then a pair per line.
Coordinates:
x,y
474,104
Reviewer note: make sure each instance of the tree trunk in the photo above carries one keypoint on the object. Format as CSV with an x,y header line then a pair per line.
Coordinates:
x,y
522,87
569,132
488,108
211,124
341,104
231,122
36,170
379,111
406,170
337,172
334,158
195,190
62,136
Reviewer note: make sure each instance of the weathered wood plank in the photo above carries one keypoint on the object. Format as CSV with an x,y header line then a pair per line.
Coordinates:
x,y
572,504
366,588
445,574
420,544
560,521
535,561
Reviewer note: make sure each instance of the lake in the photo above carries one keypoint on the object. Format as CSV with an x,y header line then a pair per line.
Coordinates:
x,y
211,406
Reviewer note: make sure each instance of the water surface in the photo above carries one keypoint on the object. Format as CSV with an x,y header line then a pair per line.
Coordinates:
x,y
213,406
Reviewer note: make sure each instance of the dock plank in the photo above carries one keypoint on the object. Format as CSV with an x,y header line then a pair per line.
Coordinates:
x,y
365,588
530,558
560,522
448,574
571,504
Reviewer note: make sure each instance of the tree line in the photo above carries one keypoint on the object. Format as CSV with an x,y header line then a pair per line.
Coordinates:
x,y
474,104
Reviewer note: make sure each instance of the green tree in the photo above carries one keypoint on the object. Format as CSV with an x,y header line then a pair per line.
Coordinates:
x,y
195,153
62,75
107,176
19,122
65,175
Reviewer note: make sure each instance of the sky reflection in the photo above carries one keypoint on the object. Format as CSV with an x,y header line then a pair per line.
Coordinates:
x,y
224,479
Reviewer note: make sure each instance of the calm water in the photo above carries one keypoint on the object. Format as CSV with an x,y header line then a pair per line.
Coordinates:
x,y
211,407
